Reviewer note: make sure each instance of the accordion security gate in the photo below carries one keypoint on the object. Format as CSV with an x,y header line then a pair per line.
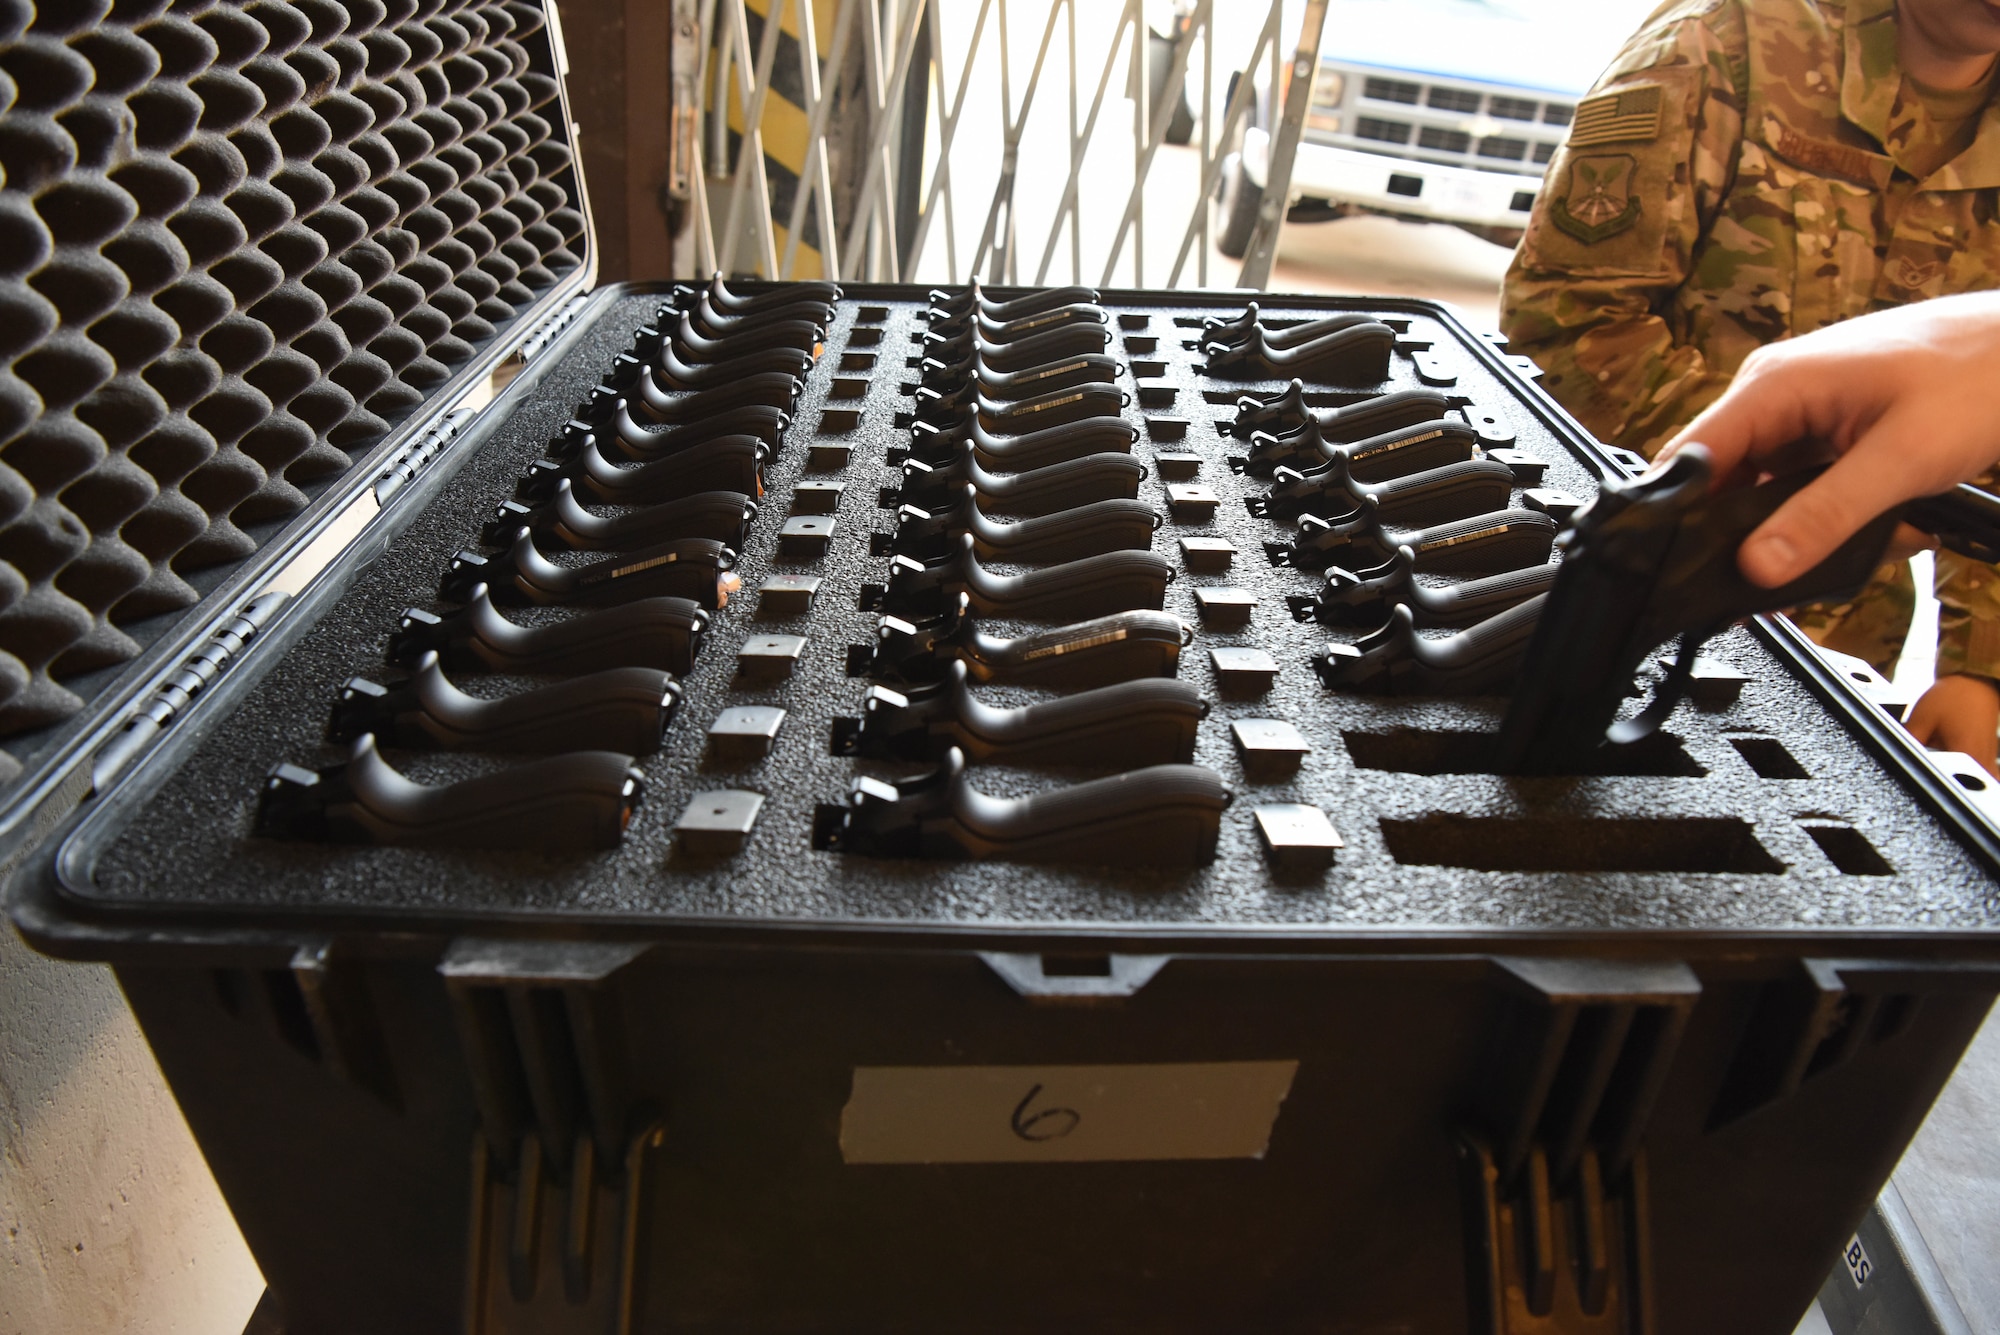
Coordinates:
x,y
753,239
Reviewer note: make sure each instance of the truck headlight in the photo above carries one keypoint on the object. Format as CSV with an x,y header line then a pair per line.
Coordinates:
x,y
1329,86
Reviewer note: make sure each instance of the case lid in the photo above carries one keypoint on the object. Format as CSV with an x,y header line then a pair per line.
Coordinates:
x,y
248,251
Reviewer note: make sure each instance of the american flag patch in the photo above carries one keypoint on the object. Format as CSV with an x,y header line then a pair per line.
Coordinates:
x,y
1615,118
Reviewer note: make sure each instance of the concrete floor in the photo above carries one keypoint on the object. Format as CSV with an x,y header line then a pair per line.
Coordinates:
x,y
1950,1180
109,1221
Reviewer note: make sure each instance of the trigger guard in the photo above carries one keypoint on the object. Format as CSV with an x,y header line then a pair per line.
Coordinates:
x,y
1626,731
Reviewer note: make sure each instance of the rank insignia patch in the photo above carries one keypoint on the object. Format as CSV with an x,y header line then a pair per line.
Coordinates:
x,y
1599,202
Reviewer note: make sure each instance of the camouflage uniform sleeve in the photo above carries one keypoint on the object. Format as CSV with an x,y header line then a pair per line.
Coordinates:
x,y
1968,594
1650,157
1872,625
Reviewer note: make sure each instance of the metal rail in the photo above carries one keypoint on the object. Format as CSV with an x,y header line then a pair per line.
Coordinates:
x,y
1284,151
890,33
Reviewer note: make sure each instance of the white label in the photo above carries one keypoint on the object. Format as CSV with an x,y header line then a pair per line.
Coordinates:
x,y
1035,1114
1859,1267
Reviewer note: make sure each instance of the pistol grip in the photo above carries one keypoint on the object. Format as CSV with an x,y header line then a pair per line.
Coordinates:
x,y
568,803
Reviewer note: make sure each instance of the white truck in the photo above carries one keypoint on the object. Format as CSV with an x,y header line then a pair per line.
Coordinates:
x,y
1440,110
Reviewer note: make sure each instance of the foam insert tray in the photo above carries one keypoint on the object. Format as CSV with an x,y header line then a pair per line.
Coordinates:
x,y
1705,847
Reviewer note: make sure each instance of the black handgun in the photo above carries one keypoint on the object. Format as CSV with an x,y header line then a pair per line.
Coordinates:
x,y
1655,558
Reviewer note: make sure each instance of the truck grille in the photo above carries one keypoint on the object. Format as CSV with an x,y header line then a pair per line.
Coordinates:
x,y
1423,120
1391,90
1454,99
1381,131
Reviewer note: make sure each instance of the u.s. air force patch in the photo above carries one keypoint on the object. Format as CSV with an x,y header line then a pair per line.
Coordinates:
x,y
1599,202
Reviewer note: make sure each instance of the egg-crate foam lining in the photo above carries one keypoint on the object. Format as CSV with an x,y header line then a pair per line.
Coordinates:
x,y
238,241
1699,841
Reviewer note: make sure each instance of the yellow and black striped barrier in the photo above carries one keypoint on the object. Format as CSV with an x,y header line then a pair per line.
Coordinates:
x,y
785,120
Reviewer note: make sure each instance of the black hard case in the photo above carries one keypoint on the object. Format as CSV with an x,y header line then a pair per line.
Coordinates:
x,y
519,1092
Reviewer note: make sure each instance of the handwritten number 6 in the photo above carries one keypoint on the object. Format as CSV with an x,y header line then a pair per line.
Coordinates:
x,y
1048,1124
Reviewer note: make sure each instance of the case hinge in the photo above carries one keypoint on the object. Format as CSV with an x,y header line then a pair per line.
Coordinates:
x,y
405,464
545,333
190,679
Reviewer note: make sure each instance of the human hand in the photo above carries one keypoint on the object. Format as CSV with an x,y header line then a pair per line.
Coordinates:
x,y
1960,714
1906,402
